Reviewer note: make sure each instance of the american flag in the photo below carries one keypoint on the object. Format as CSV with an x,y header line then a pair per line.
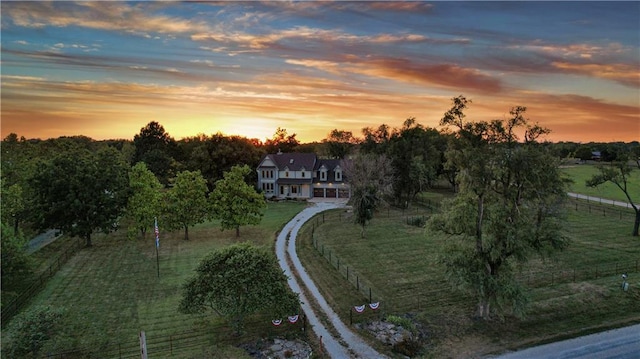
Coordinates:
x,y
157,232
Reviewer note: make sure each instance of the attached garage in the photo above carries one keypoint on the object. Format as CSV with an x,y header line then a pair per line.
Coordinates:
x,y
331,193
318,192
343,193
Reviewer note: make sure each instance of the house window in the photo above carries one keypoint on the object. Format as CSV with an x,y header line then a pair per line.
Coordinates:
x,y
286,174
323,175
303,174
338,175
294,189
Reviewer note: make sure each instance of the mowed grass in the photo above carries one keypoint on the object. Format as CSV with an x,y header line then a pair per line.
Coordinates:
x,y
399,263
111,291
580,173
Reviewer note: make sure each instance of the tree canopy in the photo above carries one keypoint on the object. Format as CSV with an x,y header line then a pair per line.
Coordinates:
x,y
157,149
16,264
234,202
80,191
371,181
215,154
144,203
281,141
509,207
186,202
340,143
237,281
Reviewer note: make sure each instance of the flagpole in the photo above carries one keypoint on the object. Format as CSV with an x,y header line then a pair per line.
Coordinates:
x,y
157,244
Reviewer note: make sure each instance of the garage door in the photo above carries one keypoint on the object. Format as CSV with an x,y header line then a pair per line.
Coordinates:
x,y
343,193
331,193
318,192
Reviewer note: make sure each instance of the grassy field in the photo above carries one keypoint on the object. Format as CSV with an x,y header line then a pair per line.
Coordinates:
x,y
574,292
582,172
111,292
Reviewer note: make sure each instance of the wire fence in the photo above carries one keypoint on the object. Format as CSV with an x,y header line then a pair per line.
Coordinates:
x,y
204,342
12,308
601,208
444,296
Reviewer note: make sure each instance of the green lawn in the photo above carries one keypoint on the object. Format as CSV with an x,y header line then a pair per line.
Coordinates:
x,y
398,263
111,292
580,173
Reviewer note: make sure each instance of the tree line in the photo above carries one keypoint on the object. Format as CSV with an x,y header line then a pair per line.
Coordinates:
x,y
83,186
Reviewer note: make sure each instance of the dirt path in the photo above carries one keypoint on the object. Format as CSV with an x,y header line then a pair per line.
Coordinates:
x,y
354,346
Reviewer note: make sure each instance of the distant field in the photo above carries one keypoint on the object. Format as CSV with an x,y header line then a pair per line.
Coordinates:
x,y
580,173
398,262
111,292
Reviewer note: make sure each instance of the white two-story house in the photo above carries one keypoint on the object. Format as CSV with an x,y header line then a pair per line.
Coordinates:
x,y
302,175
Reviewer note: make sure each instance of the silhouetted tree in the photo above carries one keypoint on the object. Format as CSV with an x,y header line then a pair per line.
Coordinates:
x,y
157,150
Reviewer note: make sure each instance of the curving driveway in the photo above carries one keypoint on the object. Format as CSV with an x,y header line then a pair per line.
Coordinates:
x,y
349,344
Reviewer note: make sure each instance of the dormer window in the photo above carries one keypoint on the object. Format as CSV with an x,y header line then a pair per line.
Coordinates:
x,y
338,174
323,173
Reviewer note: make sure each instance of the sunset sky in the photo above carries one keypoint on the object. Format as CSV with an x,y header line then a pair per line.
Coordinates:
x,y
105,69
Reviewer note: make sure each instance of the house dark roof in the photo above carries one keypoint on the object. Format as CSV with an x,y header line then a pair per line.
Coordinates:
x,y
310,161
293,161
330,165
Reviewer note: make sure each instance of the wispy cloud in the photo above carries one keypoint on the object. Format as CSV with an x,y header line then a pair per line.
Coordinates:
x,y
316,64
404,70
628,75
102,15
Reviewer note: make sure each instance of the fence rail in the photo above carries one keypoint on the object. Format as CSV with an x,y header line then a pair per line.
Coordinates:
x,y
185,344
10,309
604,209
446,297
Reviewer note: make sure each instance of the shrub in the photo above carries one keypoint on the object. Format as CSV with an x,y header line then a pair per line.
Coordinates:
x,y
402,322
29,331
